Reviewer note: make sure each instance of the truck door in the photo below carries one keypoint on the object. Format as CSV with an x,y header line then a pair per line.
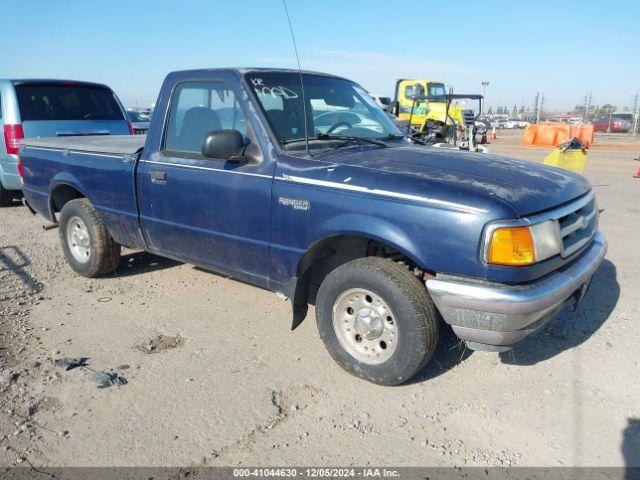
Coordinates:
x,y
209,212
408,89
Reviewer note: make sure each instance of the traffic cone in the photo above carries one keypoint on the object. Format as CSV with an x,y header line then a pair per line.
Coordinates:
x,y
493,133
637,175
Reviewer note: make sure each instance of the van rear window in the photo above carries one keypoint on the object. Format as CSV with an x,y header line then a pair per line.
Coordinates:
x,y
57,101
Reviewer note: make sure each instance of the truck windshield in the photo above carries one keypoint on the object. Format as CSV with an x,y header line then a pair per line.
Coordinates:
x,y
62,101
335,108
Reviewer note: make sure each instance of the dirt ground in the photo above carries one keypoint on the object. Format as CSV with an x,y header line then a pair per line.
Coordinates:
x,y
215,376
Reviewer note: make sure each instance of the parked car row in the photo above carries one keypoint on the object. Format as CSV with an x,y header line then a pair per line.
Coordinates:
x,y
317,196
616,123
509,123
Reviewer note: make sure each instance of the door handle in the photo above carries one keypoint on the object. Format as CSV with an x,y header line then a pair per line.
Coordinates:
x,y
158,176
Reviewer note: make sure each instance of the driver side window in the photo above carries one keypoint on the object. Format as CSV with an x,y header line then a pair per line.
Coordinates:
x,y
198,108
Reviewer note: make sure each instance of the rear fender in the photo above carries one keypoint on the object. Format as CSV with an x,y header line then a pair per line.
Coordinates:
x,y
63,179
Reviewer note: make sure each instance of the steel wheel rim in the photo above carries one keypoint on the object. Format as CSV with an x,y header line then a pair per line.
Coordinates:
x,y
365,326
78,240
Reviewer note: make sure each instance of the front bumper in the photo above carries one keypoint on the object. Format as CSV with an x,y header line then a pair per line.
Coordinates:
x,y
496,316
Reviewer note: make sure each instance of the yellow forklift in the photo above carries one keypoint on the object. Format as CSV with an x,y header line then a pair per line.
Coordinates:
x,y
428,112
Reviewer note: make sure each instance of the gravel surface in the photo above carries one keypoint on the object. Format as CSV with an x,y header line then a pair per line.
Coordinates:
x,y
214,376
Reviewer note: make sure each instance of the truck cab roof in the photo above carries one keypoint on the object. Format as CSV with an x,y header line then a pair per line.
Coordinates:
x,y
244,70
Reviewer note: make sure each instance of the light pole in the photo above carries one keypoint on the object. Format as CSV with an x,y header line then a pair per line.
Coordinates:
x,y
485,84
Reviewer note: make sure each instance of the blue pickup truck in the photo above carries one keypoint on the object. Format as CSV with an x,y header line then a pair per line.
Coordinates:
x,y
299,183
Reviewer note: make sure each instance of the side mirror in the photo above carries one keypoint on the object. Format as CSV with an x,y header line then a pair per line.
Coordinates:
x,y
224,145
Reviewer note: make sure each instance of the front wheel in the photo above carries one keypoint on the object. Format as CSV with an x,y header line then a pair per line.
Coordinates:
x,y
87,245
377,320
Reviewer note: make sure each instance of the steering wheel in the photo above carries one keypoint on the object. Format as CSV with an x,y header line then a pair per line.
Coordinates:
x,y
341,123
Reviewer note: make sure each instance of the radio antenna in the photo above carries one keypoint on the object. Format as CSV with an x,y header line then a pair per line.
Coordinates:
x,y
304,100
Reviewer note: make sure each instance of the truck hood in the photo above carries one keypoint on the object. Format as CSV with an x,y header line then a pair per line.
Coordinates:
x,y
527,187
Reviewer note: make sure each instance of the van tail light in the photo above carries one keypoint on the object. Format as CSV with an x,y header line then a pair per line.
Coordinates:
x,y
131,132
12,136
20,170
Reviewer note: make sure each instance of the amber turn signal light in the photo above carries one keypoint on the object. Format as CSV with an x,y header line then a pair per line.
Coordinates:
x,y
512,246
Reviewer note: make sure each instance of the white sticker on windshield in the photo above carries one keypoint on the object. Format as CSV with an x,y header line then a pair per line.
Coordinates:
x,y
275,91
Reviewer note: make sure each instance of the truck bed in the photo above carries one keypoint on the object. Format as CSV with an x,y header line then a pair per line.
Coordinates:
x,y
108,144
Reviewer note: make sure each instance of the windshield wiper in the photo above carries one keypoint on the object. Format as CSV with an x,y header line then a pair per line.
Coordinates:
x,y
294,140
329,137
393,136
350,138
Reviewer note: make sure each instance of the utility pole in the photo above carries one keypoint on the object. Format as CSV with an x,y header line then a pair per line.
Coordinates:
x,y
636,114
539,104
485,84
536,112
587,106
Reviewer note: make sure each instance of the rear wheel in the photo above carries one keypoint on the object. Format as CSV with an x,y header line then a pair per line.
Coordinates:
x,y
6,196
377,320
87,245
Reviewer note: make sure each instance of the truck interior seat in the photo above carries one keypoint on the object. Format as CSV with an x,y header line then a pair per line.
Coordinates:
x,y
196,124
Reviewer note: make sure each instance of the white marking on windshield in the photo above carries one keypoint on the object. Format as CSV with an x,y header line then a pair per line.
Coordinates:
x,y
274,91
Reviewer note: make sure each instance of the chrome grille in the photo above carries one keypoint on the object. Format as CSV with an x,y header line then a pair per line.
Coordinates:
x,y
578,227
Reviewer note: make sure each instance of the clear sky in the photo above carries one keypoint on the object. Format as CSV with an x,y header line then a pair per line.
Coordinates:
x,y
563,48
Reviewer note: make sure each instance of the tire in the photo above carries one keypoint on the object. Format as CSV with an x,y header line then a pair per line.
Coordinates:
x,y
398,299
6,196
87,245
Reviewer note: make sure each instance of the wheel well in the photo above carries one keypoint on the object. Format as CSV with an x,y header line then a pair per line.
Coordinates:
x,y
327,255
61,195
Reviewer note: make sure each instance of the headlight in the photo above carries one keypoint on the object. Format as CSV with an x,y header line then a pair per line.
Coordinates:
x,y
546,239
523,245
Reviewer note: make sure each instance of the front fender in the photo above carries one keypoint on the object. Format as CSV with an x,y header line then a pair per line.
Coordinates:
x,y
380,230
